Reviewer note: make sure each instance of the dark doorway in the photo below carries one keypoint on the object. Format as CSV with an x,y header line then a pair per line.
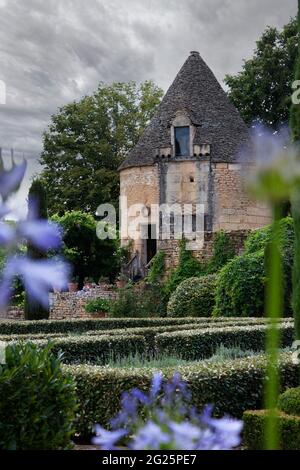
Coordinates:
x,y
151,243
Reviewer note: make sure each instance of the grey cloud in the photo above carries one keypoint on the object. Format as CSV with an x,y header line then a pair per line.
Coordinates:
x,y
54,51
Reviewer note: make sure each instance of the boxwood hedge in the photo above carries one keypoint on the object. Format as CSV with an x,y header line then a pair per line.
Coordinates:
x,y
232,386
289,401
254,426
202,343
240,287
81,325
102,324
150,333
195,295
80,349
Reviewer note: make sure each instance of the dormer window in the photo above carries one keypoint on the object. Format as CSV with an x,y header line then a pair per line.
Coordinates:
x,y
182,141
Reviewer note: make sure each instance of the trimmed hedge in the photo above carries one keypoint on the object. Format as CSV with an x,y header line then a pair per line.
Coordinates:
x,y
232,386
37,400
150,333
254,426
241,283
93,348
81,326
195,296
200,344
31,337
289,401
240,287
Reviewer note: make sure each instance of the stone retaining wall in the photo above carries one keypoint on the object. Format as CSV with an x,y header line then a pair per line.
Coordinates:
x,y
65,305
70,305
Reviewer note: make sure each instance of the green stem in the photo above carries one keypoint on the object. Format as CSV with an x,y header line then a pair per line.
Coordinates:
x,y
274,302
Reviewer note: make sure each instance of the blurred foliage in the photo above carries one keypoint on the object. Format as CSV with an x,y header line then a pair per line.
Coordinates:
x,y
37,400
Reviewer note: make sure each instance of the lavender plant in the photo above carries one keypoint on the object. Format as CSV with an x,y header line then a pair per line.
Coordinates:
x,y
164,419
37,276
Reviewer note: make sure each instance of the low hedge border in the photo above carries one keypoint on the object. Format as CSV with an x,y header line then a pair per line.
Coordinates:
x,y
202,343
232,386
16,327
31,337
254,426
150,334
92,348
81,325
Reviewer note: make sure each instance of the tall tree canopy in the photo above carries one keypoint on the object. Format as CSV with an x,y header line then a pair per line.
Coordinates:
x,y
87,140
88,255
262,90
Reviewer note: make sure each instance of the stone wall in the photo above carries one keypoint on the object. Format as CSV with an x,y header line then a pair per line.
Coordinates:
x,y
233,208
171,247
65,305
70,305
141,187
219,187
12,313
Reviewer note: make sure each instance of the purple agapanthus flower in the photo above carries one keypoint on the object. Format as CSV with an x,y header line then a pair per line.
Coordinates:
x,y
39,276
149,437
165,419
107,440
41,233
10,180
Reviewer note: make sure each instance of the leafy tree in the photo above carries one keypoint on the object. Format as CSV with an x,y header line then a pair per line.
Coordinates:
x,y
262,90
87,140
295,126
88,255
37,207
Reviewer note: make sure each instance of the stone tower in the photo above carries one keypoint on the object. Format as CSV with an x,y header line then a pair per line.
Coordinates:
x,y
188,154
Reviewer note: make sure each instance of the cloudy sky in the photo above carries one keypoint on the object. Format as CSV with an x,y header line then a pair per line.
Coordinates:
x,y
55,51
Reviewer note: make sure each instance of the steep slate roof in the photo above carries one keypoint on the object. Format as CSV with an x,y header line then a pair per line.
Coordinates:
x,y
196,91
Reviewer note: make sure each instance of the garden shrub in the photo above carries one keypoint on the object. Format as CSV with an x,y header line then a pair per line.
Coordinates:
x,y
157,268
37,400
137,301
98,305
199,344
93,348
241,283
289,401
240,287
78,326
194,297
102,325
260,239
150,333
223,251
233,386
188,266
254,428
